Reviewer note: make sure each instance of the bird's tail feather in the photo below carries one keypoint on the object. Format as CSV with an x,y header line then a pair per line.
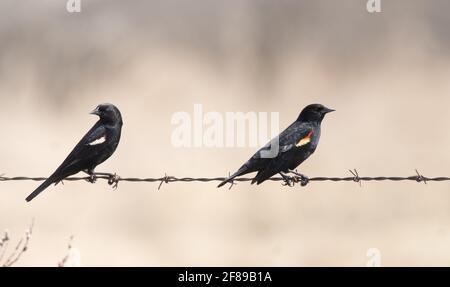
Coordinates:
x,y
41,188
262,176
227,180
243,170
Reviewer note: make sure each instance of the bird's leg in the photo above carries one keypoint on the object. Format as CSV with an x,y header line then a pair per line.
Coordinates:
x,y
288,180
303,178
92,176
113,179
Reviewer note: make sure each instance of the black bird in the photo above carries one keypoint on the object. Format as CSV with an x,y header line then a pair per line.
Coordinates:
x,y
293,146
95,147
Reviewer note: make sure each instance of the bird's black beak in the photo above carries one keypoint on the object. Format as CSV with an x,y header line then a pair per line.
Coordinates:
x,y
327,110
95,112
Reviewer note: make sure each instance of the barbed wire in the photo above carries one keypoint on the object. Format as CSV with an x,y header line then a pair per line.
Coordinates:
x,y
296,178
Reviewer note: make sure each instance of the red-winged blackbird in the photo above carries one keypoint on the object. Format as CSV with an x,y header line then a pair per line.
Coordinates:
x,y
293,146
95,147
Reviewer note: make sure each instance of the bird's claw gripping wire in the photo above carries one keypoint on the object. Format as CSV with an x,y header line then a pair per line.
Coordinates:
x,y
92,178
288,180
356,177
301,178
113,180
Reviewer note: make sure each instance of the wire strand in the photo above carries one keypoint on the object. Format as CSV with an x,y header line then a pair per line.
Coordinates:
x,y
114,179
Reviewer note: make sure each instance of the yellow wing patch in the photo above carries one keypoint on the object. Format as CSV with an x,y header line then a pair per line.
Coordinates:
x,y
305,140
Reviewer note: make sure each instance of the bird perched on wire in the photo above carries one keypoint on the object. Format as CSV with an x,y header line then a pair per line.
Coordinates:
x,y
95,147
288,150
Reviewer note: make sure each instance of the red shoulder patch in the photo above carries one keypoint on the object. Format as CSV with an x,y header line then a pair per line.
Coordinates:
x,y
305,140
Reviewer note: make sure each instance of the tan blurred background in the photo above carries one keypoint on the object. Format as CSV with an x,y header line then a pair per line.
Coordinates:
x,y
386,74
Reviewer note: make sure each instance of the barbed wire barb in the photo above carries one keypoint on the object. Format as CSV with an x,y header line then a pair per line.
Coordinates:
x,y
164,179
232,183
420,178
356,177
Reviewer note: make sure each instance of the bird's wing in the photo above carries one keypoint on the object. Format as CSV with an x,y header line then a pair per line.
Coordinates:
x,y
296,135
88,147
